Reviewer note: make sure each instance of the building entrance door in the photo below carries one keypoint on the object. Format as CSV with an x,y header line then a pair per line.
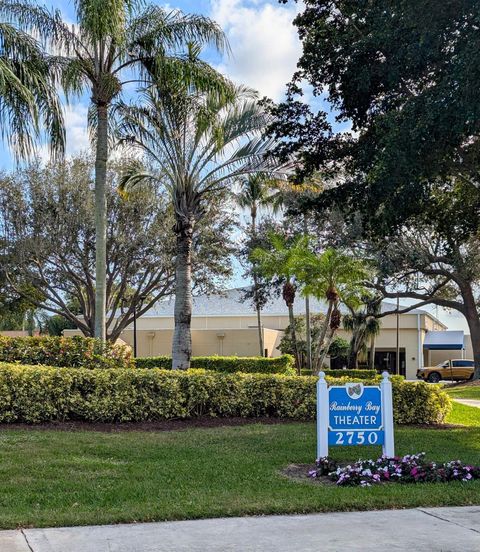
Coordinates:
x,y
387,360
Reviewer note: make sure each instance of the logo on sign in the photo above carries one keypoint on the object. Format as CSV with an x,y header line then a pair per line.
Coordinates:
x,y
354,390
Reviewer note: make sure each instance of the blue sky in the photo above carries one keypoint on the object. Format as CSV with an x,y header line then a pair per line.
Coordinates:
x,y
265,49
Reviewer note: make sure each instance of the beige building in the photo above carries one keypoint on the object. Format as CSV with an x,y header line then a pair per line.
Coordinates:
x,y
226,325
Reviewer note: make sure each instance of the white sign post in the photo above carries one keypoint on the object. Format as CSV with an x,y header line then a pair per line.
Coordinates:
x,y
354,414
322,416
387,416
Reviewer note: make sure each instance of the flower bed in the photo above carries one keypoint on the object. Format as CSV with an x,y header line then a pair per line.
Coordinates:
x,y
412,468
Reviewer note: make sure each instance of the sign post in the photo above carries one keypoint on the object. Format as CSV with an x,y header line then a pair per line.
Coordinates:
x,y
354,414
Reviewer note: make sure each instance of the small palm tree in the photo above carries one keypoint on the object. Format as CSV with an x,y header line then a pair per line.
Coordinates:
x,y
364,326
112,43
282,261
199,145
258,191
335,277
28,97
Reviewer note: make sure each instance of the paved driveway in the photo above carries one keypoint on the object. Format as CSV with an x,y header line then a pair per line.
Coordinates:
x,y
469,402
425,529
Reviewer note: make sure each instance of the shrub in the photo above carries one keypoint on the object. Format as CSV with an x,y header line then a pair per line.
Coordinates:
x,y
35,394
351,373
73,352
419,403
280,365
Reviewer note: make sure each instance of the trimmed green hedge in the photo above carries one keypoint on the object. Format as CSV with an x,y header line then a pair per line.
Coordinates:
x,y
72,352
280,365
35,394
360,373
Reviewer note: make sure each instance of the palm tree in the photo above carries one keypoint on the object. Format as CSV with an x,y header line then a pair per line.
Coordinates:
x,y
335,277
364,327
282,261
296,196
200,144
28,97
258,191
113,43
363,322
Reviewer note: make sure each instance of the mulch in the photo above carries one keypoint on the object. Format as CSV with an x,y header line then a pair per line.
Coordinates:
x,y
164,425
299,473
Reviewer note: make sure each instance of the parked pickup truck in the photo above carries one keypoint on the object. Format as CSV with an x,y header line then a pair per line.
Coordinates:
x,y
454,370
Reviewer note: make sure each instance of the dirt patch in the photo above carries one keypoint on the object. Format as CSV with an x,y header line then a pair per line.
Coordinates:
x,y
299,473
164,425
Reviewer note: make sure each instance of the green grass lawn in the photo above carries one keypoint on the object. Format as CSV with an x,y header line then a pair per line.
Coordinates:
x,y
464,392
52,478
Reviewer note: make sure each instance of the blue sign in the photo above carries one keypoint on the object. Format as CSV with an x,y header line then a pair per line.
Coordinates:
x,y
355,415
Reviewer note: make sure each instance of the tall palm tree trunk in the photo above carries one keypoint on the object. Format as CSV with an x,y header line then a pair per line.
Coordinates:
x,y
352,363
321,338
289,298
253,214
259,315
307,311
291,318
308,332
371,360
101,223
182,336
324,354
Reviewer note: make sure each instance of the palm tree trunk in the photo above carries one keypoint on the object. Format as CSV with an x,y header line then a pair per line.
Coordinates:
x,y
308,332
371,362
101,223
291,318
259,316
352,363
182,337
321,338
307,311
325,350
253,213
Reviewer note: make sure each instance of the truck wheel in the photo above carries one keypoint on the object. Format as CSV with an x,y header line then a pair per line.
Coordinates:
x,y
434,377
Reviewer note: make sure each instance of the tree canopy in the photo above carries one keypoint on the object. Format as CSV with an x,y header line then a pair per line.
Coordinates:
x,y
404,76
48,254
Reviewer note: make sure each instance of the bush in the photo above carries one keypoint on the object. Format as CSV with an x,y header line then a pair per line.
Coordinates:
x,y
363,374
280,365
73,352
419,403
35,394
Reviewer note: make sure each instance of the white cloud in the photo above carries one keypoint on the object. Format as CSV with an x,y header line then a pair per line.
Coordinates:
x,y
77,140
264,43
76,128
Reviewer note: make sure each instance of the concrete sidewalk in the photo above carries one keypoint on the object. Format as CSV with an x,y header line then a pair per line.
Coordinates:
x,y
469,402
425,529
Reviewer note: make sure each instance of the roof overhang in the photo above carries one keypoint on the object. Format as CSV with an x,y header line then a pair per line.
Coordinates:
x,y
444,341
